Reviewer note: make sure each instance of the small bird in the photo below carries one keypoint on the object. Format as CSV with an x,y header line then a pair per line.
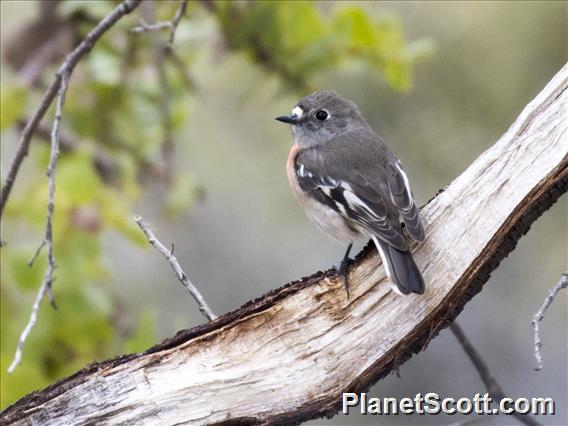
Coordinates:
x,y
351,185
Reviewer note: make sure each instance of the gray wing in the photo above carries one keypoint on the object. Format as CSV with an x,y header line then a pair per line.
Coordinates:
x,y
401,196
351,195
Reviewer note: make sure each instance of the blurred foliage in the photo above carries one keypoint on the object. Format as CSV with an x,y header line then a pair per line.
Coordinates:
x,y
12,104
113,109
299,39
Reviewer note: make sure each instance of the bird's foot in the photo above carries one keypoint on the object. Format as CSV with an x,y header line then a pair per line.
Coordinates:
x,y
343,270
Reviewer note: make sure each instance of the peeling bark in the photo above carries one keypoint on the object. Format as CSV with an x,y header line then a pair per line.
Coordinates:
x,y
288,356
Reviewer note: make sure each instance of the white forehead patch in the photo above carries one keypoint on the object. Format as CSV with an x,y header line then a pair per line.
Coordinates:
x,y
297,112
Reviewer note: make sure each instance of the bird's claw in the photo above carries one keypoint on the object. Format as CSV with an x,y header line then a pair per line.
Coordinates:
x,y
343,270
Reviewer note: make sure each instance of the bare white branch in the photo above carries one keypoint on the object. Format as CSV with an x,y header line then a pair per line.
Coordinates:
x,y
172,260
538,317
144,27
58,88
29,326
172,25
175,22
64,72
493,387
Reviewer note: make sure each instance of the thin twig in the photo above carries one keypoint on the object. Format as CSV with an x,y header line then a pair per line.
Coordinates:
x,y
71,60
203,307
172,25
144,27
159,49
55,131
29,326
36,254
160,52
188,81
48,238
175,22
537,318
59,85
494,389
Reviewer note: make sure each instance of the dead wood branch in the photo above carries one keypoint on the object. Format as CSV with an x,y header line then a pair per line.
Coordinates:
x,y
539,316
46,285
182,276
59,86
171,25
493,387
287,356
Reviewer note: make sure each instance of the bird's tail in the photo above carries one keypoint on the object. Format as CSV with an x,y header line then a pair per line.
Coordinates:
x,y
401,268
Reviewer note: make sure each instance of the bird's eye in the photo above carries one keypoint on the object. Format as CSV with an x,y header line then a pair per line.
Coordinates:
x,y
322,115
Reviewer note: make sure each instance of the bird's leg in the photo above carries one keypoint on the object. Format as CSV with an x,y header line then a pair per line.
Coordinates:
x,y
344,268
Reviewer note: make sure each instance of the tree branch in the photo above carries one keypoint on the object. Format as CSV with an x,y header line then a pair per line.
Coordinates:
x,y
161,51
538,317
175,22
144,27
60,83
48,238
68,65
171,25
488,379
182,276
287,357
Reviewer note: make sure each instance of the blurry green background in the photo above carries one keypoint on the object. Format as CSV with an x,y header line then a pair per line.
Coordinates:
x,y
441,81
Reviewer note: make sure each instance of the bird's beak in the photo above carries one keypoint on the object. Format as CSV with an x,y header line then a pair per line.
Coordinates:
x,y
288,119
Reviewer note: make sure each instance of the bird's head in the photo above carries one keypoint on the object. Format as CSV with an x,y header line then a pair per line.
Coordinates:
x,y
321,116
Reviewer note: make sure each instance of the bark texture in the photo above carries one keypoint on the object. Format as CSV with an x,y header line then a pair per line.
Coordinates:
x,y
287,356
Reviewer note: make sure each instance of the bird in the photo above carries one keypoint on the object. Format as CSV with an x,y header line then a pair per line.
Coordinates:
x,y
352,186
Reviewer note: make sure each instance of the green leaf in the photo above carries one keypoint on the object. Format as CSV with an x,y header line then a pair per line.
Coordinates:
x,y
27,377
357,32
13,101
117,215
77,180
180,111
306,21
24,276
398,75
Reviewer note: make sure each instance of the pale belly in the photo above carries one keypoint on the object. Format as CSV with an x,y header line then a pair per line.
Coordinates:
x,y
329,221
325,218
